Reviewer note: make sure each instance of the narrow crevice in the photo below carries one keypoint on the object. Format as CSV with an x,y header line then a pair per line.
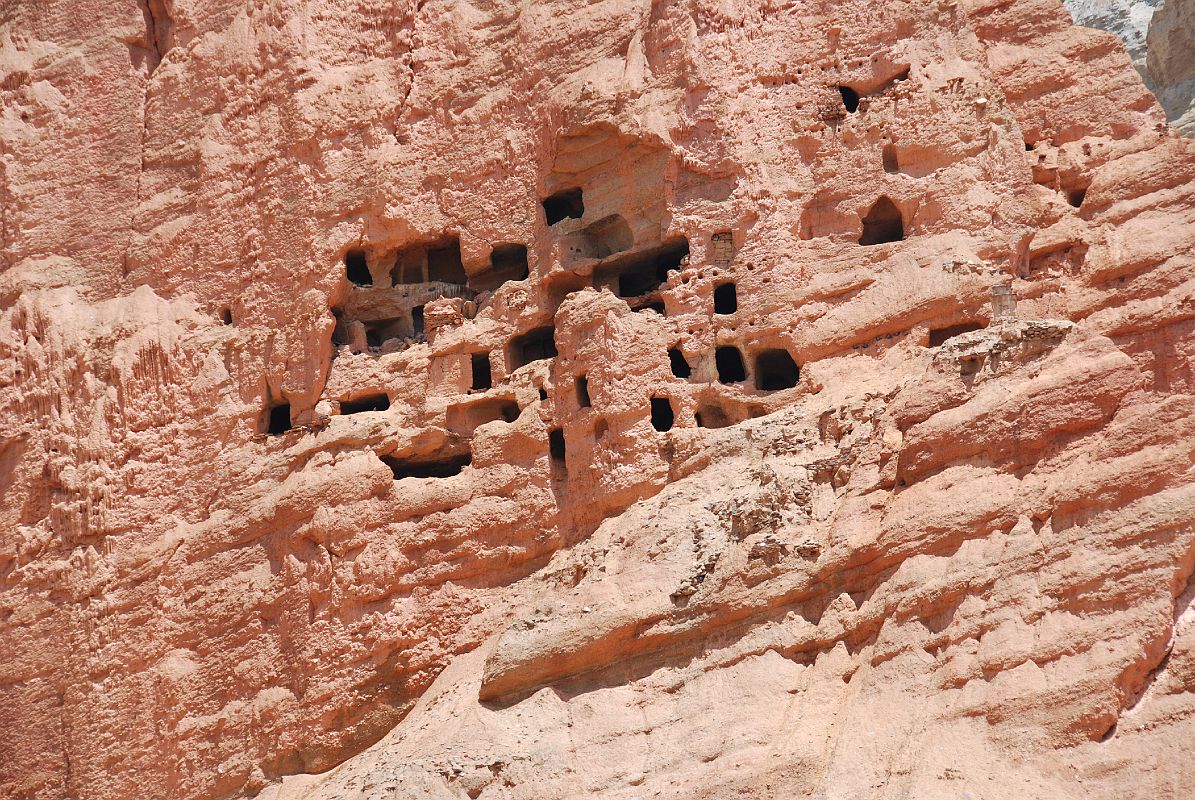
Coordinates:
x,y
159,31
159,37
412,67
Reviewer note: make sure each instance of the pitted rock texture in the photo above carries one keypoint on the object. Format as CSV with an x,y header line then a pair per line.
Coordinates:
x,y
592,399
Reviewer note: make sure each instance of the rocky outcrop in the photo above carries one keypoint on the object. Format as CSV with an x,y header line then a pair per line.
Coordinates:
x,y
1171,61
1128,19
1160,38
591,399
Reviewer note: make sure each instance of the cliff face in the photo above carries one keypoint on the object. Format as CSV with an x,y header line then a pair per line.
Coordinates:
x,y
1171,61
591,399
1160,38
1128,19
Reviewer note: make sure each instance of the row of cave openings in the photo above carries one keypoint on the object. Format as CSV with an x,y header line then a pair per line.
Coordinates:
x,y
435,269
418,274
430,271
883,221
634,277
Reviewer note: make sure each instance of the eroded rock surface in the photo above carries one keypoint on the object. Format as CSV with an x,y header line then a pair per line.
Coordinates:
x,y
613,399
1160,38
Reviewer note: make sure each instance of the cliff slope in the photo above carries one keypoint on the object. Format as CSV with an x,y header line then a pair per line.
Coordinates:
x,y
591,399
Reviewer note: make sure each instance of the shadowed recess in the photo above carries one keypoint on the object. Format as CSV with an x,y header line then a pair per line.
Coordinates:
x,y
427,468
882,223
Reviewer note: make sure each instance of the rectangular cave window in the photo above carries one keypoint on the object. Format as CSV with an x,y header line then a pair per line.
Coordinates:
x,y
583,392
409,266
508,262
643,273
482,377
565,204
729,362
356,268
340,333
466,418
226,316
891,163
680,366
661,414
380,330
417,321
371,402
444,467
939,336
444,264
775,370
278,420
556,445
535,345
726,299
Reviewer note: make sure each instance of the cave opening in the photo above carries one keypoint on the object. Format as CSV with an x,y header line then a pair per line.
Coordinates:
x,y
508,262
278,419
372,402
565,204
726,299
644,272
710,416
356,268
606,237
776,370
380,330
534,345
679,364
729,362
653,305
482,377
850,99
582,384
939,336
662,416
427,468
466,418
556,447
444,264
883,223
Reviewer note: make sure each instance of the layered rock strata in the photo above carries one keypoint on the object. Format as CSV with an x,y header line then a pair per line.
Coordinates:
x,y
597,399
1160,38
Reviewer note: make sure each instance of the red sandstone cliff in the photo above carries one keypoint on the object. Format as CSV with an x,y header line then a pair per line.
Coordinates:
x,y
591,399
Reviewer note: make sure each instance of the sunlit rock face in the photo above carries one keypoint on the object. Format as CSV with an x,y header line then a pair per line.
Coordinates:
x,y
1128,19
592,399
1160,38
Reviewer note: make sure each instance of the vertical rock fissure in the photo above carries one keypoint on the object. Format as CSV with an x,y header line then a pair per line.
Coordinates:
x,y
410,65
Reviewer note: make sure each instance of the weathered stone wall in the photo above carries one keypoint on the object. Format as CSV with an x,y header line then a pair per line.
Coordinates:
x,y
582,526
